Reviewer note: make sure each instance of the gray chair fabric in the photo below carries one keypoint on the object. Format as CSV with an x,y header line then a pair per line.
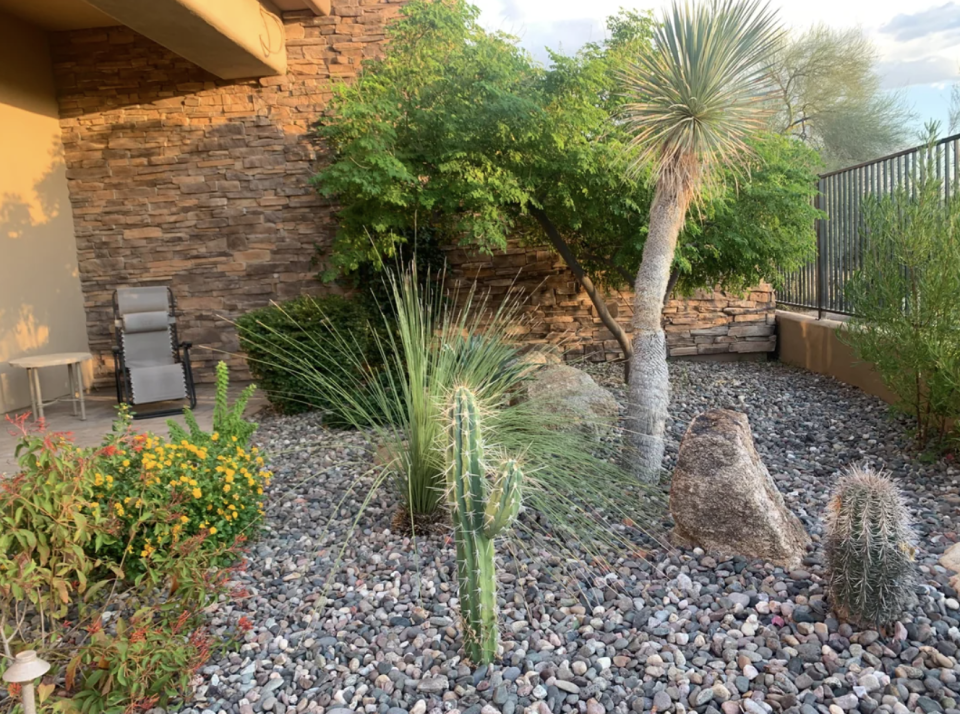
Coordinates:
x,y
132,300
146,337
158,384
146,322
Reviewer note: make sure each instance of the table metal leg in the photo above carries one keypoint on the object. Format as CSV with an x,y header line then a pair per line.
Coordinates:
x,y
74,397
33,394
36,381
78,370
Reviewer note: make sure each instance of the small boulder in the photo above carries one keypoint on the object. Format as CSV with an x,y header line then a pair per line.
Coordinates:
x,y
723,498
951,561
541,355
571,392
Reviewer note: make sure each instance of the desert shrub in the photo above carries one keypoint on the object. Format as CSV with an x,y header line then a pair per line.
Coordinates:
x,y
306,326
906,300
870,546
427,345
108,557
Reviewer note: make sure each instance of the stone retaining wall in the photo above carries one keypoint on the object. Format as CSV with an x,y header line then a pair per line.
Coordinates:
x,y
561,313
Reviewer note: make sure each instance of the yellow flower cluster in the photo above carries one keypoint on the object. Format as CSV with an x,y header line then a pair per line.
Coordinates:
x,y
211,488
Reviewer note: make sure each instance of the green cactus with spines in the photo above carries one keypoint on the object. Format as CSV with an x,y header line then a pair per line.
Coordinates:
x,y
482,508
870,550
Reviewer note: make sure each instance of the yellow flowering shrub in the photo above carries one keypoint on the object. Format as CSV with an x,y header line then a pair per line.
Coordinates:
x,y
214,489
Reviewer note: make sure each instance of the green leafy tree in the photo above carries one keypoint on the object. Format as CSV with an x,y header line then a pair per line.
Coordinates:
x,y
460,130
829,95
696,99
753,224
458,135
954,110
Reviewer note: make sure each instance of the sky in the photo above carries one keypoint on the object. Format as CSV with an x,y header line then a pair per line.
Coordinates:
x,y
918,41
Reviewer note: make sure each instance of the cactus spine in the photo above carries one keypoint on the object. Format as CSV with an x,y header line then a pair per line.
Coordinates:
x,y
870,549
481,510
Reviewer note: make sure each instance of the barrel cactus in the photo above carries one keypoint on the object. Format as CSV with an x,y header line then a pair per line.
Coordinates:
x,y
870,550
482,507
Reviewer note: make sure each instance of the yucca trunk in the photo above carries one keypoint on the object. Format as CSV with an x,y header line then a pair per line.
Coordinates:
x,y
649,388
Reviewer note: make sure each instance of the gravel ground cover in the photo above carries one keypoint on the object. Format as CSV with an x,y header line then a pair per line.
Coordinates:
x,y
665,630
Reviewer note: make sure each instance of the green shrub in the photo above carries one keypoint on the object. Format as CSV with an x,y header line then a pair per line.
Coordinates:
x,y
306,327
907,300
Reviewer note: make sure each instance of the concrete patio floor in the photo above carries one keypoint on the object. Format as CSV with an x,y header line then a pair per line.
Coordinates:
x,y
101,411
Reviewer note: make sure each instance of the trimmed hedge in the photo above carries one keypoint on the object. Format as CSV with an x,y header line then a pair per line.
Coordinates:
x,y
305,327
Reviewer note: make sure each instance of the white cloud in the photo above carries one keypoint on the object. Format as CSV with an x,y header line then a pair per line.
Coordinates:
x,y
931,21
927,70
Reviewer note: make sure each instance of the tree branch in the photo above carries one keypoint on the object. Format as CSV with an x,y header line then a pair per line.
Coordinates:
x,y
618,269
671,284
560,245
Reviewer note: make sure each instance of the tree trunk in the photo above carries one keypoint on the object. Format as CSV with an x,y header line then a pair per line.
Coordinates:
x,y
610,322
671,284
649,388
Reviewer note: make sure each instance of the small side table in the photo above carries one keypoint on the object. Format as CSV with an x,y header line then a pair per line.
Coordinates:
x,y
35,363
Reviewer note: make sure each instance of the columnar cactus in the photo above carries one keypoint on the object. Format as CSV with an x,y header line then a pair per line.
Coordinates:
x,y
869,546
481,510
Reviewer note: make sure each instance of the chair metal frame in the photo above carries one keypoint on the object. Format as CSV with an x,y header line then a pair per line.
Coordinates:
x,y
181,355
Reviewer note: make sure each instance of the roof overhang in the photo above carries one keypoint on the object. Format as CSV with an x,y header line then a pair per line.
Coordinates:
x,y
233,39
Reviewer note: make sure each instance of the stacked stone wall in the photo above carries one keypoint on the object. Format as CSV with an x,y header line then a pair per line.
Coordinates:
x,y
560,312
179,178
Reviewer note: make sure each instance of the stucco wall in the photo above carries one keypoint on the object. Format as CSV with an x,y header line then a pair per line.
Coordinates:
x,y
41,307
813,345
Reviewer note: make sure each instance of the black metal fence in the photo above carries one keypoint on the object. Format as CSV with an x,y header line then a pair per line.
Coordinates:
x,y
820,285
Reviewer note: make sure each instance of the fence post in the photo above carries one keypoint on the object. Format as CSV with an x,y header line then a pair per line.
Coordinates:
x,y
820,265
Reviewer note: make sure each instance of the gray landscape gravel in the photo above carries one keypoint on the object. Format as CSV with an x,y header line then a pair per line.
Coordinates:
x,y
664,629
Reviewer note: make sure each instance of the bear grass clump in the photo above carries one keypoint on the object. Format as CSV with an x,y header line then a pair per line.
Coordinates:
x,y
870,550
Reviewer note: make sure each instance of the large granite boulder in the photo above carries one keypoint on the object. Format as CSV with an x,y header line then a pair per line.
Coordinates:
x,y
571,392
723,499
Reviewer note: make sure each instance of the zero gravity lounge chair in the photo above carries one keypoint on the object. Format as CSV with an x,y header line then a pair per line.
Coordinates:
x,y
151,365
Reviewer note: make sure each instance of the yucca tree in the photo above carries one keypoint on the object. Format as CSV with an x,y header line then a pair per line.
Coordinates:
x,y
692,102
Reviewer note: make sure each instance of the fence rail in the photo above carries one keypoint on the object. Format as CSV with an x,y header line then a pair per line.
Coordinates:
x,y
821,284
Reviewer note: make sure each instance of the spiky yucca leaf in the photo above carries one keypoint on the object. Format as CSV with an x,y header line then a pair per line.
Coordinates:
x,y
870,549
702,89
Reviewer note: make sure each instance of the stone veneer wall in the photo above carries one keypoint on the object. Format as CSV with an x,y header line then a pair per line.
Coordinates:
x,y
561,313
179,178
